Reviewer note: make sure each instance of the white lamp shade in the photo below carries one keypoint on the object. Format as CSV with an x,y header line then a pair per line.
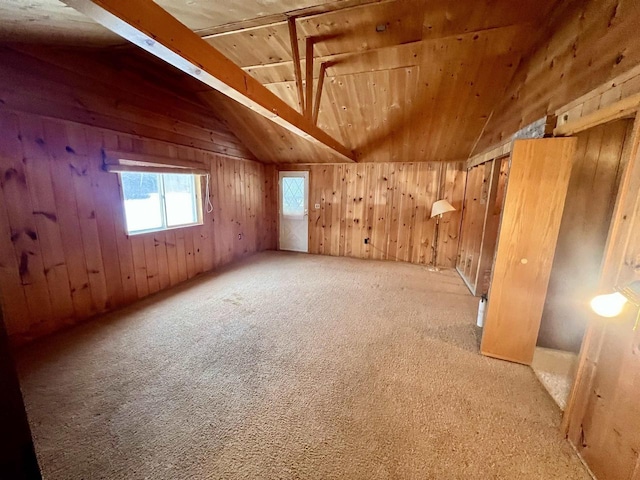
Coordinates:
x,y
440,207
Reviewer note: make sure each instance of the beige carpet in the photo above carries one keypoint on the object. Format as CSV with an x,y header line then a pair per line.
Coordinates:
x,y
556,370
291,366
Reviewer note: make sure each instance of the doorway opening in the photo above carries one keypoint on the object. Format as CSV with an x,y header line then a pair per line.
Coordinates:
x,y
598,166
293,211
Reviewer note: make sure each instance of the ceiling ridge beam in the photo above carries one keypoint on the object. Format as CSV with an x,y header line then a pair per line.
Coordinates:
x,y
152,28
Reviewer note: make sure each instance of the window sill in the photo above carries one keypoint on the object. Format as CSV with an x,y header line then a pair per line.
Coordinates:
x,y
167,229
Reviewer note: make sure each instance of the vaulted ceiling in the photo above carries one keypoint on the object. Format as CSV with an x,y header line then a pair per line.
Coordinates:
x,y
406,80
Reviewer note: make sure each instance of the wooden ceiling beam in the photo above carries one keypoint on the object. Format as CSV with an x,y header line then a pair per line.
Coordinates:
x,y
308,108
295,55
389,49
152,28
316,104
395,56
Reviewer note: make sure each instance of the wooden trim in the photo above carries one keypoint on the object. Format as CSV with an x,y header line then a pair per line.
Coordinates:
x,y
295,55
316,104
602,89
308,108
466,282
113,157
504,357
144,169
483,261
500,151
149,26
624,108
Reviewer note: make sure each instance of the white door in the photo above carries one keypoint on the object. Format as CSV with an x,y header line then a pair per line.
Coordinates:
x,y
293,210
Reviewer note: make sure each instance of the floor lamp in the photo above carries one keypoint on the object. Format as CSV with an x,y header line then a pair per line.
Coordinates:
x,y
437,210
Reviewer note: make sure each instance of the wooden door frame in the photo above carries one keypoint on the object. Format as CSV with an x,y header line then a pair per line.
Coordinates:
x,y
491,199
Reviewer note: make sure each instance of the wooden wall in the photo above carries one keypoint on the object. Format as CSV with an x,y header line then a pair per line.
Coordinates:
x,y
483,201
585,44
603,416
390,204
64,251
121,90
597,168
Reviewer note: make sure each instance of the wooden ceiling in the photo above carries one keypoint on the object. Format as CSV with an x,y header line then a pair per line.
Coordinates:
x,y
53,22
409,80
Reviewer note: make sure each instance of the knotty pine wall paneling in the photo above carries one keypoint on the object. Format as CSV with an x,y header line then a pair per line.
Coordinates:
x,y
602,418
65,255
390,204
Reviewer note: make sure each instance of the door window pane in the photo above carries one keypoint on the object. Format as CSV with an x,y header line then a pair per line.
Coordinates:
x,y
179,191
142,201
293,196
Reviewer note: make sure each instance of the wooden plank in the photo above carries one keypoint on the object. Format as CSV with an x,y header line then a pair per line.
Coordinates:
x,y
492,224
557,72
308,108
75,154
113,157
452,188
320,86
14,300
150,261
39,175
24,233
55,138
113,198
59,85
149,26
538,180
295,56
489,225
105,203
624,108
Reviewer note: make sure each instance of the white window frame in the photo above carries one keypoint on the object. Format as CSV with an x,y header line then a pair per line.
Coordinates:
x,y
197,183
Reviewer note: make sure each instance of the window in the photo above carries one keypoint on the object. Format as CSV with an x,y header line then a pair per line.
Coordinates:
x,y
293,196
159,201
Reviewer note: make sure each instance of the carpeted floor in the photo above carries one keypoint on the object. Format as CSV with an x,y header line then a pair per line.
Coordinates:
x,y
556,370
291,366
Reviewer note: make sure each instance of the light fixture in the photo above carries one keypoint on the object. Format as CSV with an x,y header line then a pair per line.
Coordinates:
x,y
611,305
440,207
437,210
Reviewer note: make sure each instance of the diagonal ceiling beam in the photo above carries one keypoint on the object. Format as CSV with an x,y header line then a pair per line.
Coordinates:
x,y
149,26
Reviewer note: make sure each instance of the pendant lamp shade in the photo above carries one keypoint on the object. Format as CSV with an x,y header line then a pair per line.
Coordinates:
x,y
440,207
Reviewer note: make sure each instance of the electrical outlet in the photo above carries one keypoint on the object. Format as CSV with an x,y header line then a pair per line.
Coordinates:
x,y
366,241
317,206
